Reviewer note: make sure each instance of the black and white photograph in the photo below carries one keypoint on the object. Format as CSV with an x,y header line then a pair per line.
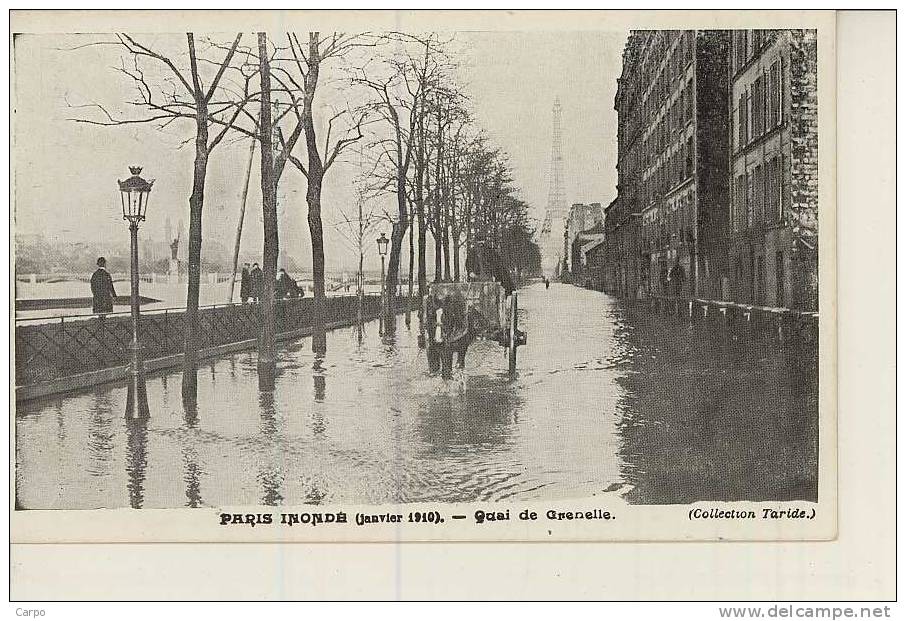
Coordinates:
x,y
298,271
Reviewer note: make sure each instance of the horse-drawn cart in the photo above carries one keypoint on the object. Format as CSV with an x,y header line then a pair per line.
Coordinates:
x,y
457,313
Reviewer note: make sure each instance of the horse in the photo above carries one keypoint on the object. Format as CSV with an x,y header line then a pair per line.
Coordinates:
x,y
451,327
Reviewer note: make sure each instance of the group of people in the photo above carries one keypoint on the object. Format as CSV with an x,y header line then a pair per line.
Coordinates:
x,y
251,285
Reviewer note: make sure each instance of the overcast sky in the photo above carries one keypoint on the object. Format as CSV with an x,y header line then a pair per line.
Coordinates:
x,y
65,173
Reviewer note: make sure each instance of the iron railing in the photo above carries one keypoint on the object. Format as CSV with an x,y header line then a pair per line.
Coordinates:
x,y
48,348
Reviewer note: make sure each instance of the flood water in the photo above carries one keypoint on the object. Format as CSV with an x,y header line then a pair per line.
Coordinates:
x,y
608,400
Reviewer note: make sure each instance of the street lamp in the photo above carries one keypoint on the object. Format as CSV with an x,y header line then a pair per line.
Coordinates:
x,y
134,192
382,243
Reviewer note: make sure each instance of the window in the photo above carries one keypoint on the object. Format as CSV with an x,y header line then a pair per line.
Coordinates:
x,y
759,267
674,168
780,299
742,53
759,194
689,96
690,157
743,120
750,199
784,189
775,190
757,40
758,107
776,93
740,203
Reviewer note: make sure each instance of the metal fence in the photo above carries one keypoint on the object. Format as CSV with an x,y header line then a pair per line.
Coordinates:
x,y
51,348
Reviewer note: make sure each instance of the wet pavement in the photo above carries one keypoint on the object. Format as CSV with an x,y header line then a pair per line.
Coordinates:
x,y
608,399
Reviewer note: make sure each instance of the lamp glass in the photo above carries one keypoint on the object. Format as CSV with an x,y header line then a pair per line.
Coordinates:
x,y
134,194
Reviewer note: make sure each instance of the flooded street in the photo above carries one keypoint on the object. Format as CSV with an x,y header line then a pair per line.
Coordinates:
x,y
607,400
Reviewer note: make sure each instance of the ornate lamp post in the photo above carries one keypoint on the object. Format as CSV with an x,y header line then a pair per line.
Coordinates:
x,y
134,192
382,243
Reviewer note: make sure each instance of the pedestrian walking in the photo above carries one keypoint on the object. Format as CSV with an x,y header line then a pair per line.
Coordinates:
x,y
245,284
256,277
102,291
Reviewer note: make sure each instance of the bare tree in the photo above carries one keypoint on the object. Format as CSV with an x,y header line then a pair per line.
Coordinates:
x,y
355,229
287,95
184,96
303,73
398,101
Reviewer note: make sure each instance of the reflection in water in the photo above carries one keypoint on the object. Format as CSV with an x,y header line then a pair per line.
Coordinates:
x,y
192,478
607,401
359,331
480,416
706,417
191,470
270,474
136,459
100,434
320,381
190,411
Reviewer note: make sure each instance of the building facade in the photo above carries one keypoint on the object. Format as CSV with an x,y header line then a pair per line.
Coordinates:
x,y
594,270
669,223
581,218
581,243
774,168
684,190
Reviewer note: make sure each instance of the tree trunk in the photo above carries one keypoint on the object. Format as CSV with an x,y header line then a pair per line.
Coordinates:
x,y
422,255
469,212
438,258
196,203
396,245
267,339
446,247
313,196
360,293
420,207
456,260
411,266
245,193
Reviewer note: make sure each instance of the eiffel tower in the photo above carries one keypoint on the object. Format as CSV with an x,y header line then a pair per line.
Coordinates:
x,y
552,228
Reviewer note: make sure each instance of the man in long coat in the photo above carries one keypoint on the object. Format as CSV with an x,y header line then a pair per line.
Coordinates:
x,y
245,284
257,280
102,292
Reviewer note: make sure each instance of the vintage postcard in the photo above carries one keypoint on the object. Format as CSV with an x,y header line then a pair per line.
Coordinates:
x,y
423,276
